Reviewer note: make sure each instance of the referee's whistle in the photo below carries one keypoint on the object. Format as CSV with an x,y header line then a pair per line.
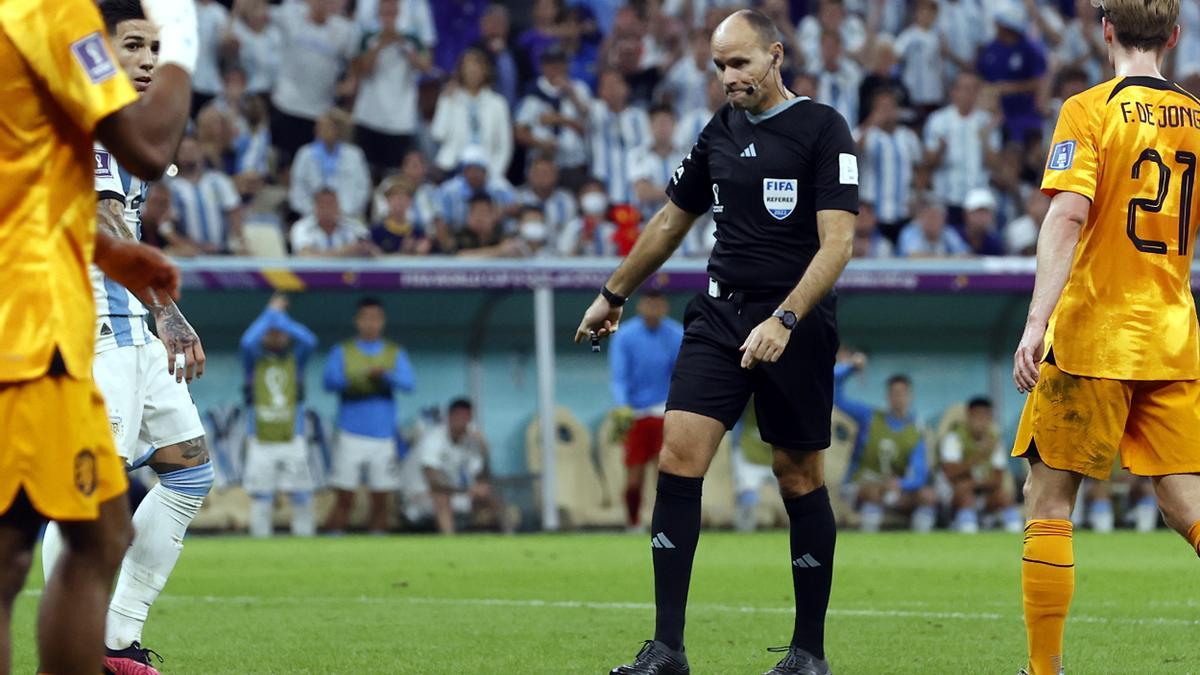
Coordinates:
x,y
595,341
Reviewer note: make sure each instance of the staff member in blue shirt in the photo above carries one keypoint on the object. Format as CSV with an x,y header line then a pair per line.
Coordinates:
x,y
275,349
366,372
889,467
641,359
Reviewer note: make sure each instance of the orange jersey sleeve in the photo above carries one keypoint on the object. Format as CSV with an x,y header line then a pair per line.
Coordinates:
x,y
1127,312
58,79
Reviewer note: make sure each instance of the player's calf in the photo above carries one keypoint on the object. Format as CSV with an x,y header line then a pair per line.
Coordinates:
x,y
1179,501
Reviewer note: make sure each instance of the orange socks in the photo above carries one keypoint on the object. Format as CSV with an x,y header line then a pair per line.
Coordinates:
x,y
1193,536
1047,584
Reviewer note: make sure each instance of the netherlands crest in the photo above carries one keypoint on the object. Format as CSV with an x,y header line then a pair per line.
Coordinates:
x,y
779,196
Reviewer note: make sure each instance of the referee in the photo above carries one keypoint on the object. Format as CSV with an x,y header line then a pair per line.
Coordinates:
x,y
780,175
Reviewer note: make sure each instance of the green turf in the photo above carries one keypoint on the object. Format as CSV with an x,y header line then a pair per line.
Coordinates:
x,y
940,603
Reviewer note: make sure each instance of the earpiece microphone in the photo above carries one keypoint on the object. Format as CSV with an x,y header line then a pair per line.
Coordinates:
x,y
754,87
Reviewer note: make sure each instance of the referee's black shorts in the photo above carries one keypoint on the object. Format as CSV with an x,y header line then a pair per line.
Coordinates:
x,y
793,397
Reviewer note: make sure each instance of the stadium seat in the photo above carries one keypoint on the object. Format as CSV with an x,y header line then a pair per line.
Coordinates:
x,y
577,481
264,239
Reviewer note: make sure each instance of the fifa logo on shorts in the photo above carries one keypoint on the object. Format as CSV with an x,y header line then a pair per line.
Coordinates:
x,y
85,472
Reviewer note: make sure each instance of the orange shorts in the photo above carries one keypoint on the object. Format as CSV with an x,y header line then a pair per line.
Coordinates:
x,y
644,441
57,446
1080,424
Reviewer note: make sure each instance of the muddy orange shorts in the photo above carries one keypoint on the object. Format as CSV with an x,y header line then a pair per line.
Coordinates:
x,y
1080,424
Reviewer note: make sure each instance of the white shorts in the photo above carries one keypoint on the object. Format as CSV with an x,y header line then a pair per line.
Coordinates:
x,y
272,467
147,408
362,459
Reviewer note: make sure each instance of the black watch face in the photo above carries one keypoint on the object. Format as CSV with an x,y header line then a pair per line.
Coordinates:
x,y
789,320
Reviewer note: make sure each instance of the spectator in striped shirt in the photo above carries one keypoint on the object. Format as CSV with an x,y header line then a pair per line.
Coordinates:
x,y
961,141
651,166
838,78
964,28
206,203
615,128
326,233
473,179
888,153
928,237
688,129
543,191
920,49
683,86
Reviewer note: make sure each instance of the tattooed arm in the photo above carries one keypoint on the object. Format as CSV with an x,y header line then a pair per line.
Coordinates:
x,y
179,338
110,218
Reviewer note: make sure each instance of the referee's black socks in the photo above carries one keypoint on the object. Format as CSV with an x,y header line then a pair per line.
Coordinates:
x,y
813,535
674,530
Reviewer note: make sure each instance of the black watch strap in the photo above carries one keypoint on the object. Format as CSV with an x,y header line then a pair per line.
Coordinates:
x,y
613,299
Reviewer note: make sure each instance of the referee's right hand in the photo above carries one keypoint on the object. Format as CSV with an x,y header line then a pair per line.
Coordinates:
x,y
601,318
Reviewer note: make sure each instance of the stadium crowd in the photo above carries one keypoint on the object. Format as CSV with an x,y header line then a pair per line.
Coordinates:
x,y
409,127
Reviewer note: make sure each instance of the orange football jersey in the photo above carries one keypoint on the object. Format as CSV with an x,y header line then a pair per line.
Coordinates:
x,y
58,79
1130,145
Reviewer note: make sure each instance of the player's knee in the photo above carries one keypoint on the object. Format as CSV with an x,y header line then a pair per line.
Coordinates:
x,y
679,461
195,481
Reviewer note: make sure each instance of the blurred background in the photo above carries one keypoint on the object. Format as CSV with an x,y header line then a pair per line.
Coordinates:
x,y
479,167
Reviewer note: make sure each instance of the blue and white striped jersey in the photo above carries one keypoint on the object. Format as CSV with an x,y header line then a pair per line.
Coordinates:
x,y
887,167
203,207
558,210
119,315
611,136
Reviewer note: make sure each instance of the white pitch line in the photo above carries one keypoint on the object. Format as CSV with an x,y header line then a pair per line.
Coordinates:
x,y
646,606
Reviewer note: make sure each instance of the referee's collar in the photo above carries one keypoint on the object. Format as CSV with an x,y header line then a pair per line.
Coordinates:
x,y
762,117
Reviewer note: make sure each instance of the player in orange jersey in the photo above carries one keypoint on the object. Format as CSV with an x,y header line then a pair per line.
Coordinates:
x,y
1110,354
62,89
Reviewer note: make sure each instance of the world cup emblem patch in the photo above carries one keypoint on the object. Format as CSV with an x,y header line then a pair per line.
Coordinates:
x,y
779,196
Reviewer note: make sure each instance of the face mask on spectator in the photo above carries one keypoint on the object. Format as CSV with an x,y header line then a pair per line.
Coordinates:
x,y
593,203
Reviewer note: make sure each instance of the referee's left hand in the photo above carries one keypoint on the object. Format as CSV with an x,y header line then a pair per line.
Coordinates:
x,y
765,343
601,318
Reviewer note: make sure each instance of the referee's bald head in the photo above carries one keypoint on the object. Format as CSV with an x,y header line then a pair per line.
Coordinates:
x,y
760,24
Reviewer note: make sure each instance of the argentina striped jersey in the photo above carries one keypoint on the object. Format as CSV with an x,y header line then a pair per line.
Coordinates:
x,y
120,317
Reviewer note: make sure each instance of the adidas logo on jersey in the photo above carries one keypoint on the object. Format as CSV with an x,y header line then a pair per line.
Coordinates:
x,y
660,541
105,330
806,561
749,151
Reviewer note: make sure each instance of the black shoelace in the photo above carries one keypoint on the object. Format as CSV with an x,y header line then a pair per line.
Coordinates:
x,y
792,658
145,653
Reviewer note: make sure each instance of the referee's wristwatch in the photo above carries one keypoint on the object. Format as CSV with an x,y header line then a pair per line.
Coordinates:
x,y
786,316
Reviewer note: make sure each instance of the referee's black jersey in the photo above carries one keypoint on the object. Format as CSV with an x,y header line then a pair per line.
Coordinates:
x,y
765,177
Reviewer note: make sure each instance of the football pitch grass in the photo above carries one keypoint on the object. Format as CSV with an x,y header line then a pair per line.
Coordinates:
x,y
939,603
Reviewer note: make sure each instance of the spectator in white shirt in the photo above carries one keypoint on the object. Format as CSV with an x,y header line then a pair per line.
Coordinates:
x,y
326,233
1021,235
928,237
552,118
651,166
838,78
211,18
469,112
683,86
961,142
254,43
454,458
414,14
830,16
592,233
614,128
543,191
888,154
318,45
206,204
920,50
385,110
330,162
